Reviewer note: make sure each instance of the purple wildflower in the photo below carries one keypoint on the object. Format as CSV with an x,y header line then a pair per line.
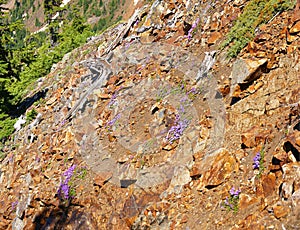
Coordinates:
x,y
256,161
234,192
114,96
112,100
136,22
194,25
176,131
69,173
182,100
193,91
14,205
232,201
37,159
11,158
181,109
113,121
64,186
228,203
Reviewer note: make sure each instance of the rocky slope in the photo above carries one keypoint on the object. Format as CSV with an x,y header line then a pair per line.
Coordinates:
x,y
149,126
33,16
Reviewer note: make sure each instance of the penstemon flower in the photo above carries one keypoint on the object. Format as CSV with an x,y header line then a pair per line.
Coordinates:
x,y
64,188
231,203
256,161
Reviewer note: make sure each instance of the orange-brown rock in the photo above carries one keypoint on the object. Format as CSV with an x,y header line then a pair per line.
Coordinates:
x,y
252,47
254,136
236,91
269,184
295,28
214,25
294,140
280,211
102,178
222,165
262,37
291,177
245,201
195,171
290,37
224,89
214,36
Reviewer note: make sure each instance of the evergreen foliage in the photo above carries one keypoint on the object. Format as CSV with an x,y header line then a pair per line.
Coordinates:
x,y
23,62
25,57
254,14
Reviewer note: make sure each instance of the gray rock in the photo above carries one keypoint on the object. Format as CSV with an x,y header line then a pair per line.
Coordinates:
x,y
244,71
17,224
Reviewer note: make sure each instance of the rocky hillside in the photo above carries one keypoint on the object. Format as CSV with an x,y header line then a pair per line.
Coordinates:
x,y
99,14
167,121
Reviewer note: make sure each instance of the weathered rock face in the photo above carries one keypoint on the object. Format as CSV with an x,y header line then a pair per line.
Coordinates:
x,y
147,126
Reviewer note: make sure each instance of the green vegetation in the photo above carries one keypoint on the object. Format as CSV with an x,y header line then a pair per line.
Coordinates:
x,y
6,125
254,14
261,166
30,116
26,58
37,22
231,203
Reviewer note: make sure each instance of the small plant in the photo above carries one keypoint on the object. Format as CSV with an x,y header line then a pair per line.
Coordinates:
x,y
182,121
2,153
258,162
113,121
232,202
112,100
66,191
81,174
190,32
162,92
176,131
192,94
67,188
14,205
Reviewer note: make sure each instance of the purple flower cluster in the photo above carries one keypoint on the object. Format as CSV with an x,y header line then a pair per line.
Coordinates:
x,y
113,121
232,201
227,202
234,192
63,122
256,161
14,205
176,131
112,100
194,25
193,91
64,186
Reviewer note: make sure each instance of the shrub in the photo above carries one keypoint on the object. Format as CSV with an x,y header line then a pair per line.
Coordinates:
x,y
255,13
